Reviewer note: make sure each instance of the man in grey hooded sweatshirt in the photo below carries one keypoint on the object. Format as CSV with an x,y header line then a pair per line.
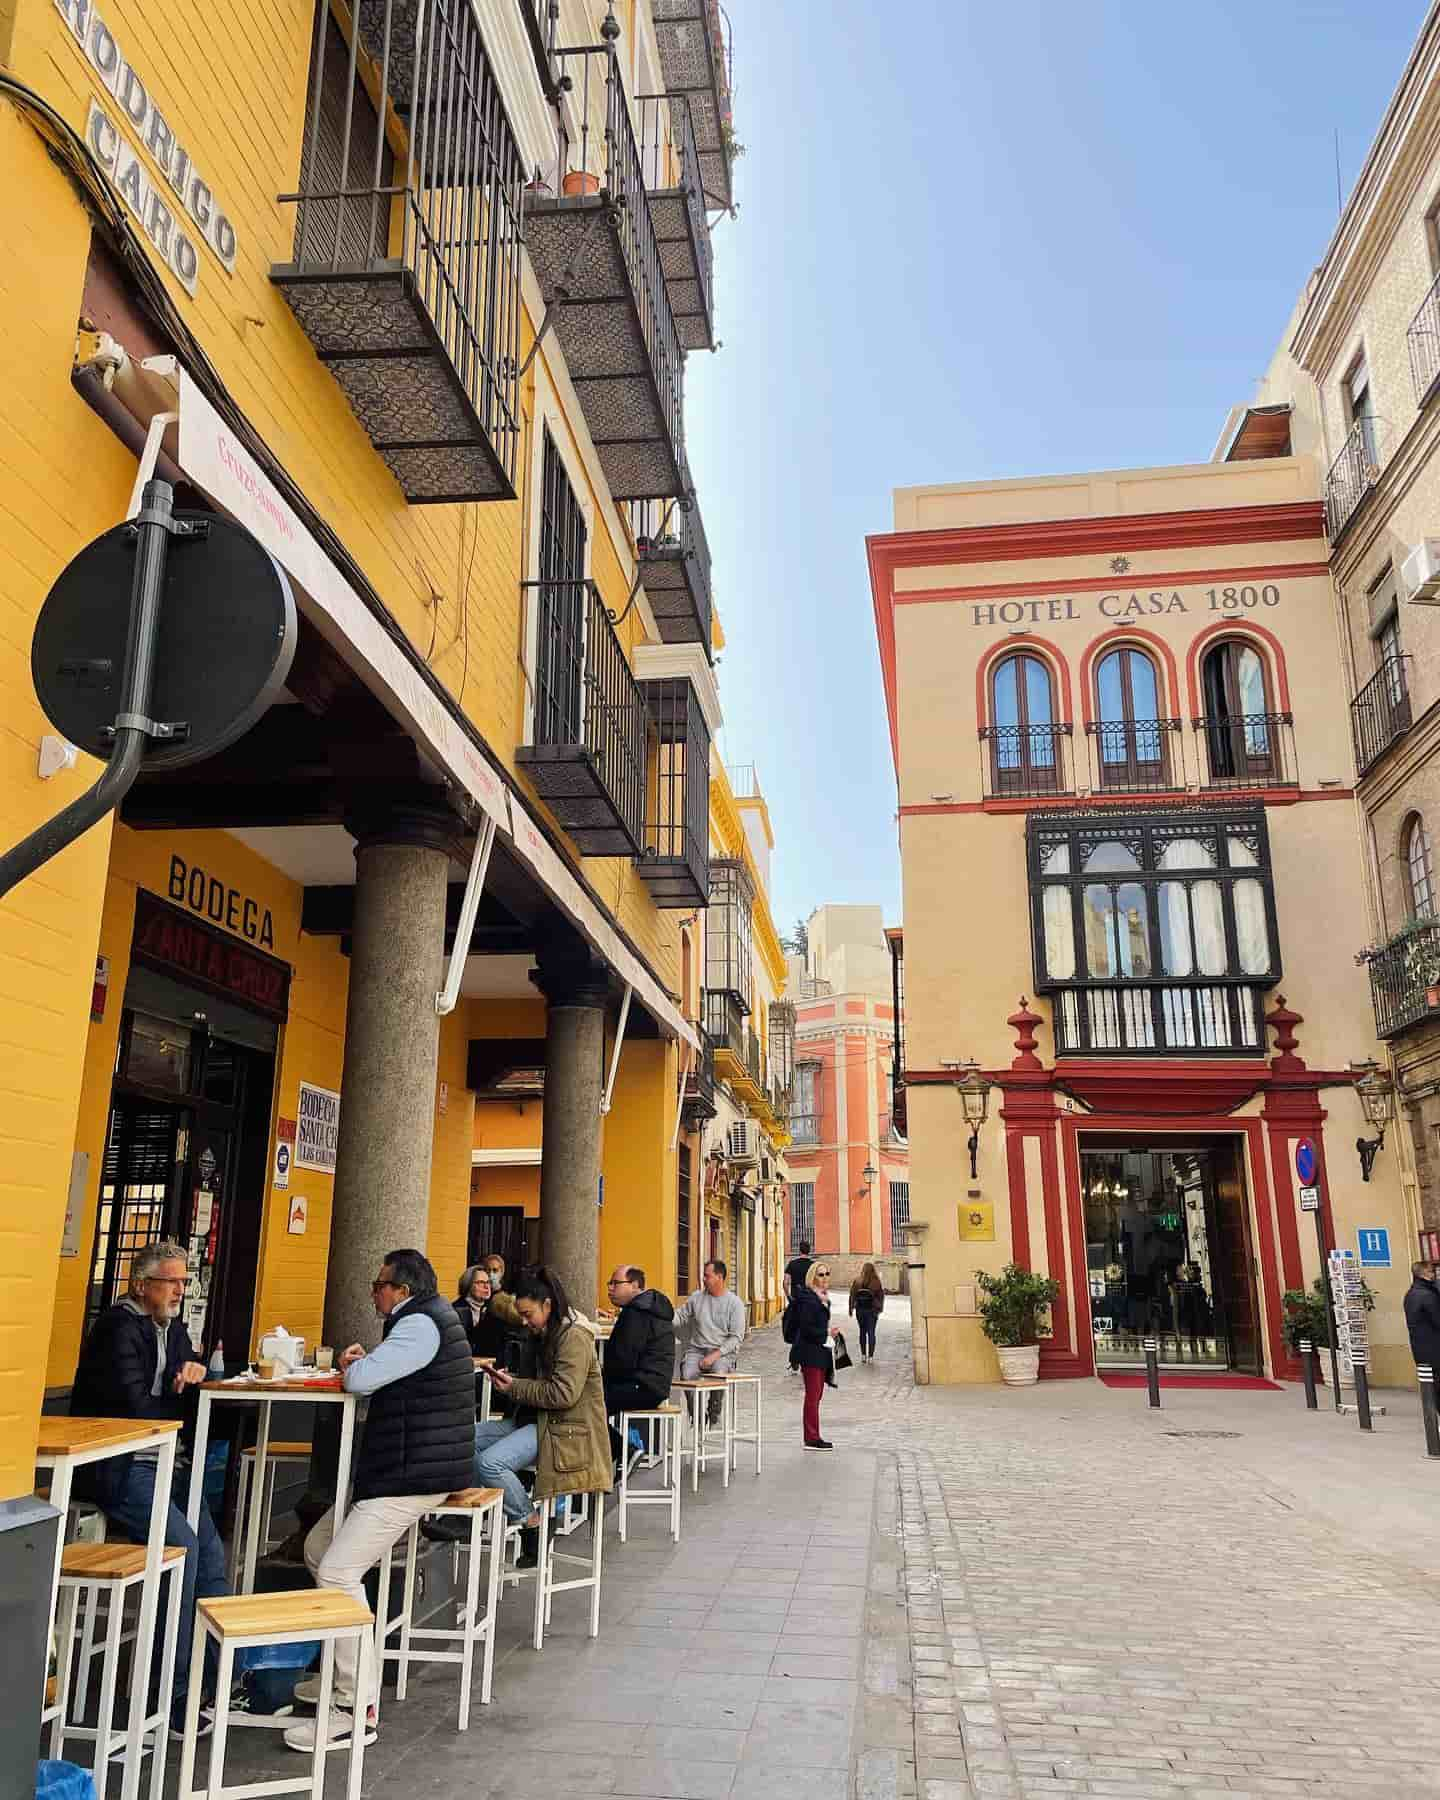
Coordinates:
x,y
715,1319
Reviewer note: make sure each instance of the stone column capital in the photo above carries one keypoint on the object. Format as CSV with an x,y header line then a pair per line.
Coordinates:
x,y
569,973
411,818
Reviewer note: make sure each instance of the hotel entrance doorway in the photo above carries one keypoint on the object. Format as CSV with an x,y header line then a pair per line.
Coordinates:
x,y
1169,1255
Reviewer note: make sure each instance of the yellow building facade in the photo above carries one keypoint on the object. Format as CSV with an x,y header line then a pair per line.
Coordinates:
x,y
426,343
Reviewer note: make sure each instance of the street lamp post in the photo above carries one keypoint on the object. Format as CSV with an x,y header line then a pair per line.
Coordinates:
x,y
1376,1091
974,1092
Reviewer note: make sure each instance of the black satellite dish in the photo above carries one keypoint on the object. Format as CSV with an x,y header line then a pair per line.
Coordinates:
x,y
224,642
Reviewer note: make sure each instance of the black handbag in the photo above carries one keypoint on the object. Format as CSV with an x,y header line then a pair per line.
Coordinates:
x,y
841,1354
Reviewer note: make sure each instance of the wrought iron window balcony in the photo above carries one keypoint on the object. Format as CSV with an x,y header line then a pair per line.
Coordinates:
x,y
675,865
675,568
1381,711
587,755
1249,750
1018,760
737,1050
406,267
1405,978
1159,1019
805,1127
677,205
699,1102
695,60
1352,475
1134,756
1423,342
593,241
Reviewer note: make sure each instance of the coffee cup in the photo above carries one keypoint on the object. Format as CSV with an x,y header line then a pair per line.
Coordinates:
x,y
324,1357
265,1368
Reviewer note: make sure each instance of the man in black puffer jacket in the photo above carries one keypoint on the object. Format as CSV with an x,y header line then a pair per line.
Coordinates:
x,y
418,1447
640,1356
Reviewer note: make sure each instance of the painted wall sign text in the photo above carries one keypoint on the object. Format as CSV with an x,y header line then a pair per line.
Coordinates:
x,y
178,945
190,885
192,201
1122,605
319,1128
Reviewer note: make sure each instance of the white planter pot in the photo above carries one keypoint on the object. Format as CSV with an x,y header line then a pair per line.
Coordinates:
x,y
1019,1364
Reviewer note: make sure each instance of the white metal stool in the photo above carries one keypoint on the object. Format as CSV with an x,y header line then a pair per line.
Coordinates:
x,y
86,1572
701,1453
483,1507
242,1621
663,1423
547,1555
753,1436
276,1456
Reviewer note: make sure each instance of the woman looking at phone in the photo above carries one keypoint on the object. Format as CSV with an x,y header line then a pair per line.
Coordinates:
x,y
558,1424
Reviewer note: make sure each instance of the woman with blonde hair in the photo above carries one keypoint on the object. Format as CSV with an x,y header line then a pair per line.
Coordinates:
x,y
867,1302
810,1342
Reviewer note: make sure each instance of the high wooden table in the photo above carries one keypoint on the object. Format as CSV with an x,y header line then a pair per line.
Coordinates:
x,y
67,1444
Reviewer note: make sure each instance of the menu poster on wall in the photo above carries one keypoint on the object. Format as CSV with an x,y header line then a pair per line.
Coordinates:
x,y
318,1128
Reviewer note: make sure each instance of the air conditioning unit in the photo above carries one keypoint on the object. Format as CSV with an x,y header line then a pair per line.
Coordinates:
x,y
742,1142
1420,573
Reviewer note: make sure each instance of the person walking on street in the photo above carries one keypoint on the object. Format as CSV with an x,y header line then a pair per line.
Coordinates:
x,y
640,1356
867,1302
1422,1314
716,1321
812,1332
796,1270
418,1447
138,1363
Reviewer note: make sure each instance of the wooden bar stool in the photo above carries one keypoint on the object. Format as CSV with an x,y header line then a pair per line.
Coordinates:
x,y
482,1506
697,1392
662,1423
276,1456
86,1572
243,1621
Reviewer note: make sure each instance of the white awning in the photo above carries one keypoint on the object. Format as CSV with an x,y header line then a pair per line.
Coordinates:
x,y
217,463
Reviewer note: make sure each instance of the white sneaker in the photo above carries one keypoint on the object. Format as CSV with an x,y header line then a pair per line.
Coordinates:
x,y
308,1690
337,1734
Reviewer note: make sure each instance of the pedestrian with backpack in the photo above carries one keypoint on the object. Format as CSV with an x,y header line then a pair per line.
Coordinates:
x,y
867,1302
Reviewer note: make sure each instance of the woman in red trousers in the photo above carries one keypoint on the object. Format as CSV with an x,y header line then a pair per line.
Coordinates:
x,y
810,1343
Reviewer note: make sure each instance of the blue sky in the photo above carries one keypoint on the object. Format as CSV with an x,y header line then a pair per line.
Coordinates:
x,y
979,241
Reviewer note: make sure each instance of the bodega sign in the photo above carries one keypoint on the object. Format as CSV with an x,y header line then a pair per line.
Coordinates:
x,y
175,221
190,885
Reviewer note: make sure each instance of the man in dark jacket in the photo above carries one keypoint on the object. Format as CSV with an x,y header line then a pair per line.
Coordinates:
x,y
137,1363
1422,1314
640,1356
418,1447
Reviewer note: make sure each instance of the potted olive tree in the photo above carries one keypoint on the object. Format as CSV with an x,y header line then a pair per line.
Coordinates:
x,y
1010,1315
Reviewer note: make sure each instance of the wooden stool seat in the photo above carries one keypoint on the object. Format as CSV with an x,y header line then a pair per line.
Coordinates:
x,y
274,1449
696,1382
666,1410
466,1499
298,1612
111,1562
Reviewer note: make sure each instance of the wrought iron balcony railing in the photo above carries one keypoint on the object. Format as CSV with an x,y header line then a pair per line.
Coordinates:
x,y
1020,760
677,204
1381,711
676,863
1352,475
699,1102
1250,750
1134,756
593,242
805,1127
695,54
587,754
675,567
1405,978
1423,341
406,267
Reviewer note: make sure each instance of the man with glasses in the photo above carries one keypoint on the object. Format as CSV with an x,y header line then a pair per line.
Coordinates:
x,y
418,1447
640,1356
138,1363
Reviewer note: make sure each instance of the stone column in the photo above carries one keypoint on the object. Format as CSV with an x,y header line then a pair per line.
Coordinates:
x,y
919,1329
576,986
392,1039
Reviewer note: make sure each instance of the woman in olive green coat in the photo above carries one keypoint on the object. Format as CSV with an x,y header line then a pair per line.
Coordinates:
x,y
563,1407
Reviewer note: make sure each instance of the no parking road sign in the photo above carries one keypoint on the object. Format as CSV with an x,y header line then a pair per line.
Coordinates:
x,y
1306,1162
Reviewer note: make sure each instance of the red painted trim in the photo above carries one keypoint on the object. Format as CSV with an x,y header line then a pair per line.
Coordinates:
x,y
1116,637
1011,1084
1267,796
1249,629
1019,1199
1087,584
1049,654
1276,522
882,593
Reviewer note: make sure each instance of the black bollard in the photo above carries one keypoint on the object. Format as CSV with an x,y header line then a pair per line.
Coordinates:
x,y
1362,1389
1428,1410
1307,1369
1152,1369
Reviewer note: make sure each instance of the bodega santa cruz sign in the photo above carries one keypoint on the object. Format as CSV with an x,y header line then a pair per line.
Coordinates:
x,y
1234,600
189,215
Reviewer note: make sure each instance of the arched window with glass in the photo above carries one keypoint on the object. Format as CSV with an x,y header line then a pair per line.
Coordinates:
x,y
1419,868
1129,732
1241,726
1023,738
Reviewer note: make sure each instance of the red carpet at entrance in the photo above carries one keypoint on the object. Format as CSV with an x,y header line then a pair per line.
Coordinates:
x,y
1114,1379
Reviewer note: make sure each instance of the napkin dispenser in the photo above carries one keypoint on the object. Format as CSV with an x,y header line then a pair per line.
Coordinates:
x,y
282,1348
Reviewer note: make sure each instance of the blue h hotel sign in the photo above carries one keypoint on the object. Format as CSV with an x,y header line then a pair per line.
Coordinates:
x,y
1374,1248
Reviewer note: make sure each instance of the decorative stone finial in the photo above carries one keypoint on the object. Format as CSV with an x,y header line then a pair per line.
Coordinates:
x,y
1023,1024
1282,1022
